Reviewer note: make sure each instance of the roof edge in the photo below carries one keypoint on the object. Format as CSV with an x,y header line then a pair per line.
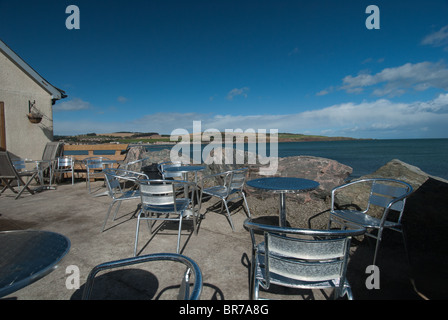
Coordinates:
x,y
25,67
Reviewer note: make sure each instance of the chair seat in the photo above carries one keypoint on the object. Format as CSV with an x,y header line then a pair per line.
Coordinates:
x,y
181,206
219,191
129,194
361,218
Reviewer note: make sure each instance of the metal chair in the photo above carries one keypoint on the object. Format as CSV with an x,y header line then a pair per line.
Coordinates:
x,y
184,291
25,170
161,199
64,165
134,165
300,258
230,189
388,195
113,178
8,174
163,165
94,168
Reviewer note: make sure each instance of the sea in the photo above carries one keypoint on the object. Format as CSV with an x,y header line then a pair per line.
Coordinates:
x,y
366,156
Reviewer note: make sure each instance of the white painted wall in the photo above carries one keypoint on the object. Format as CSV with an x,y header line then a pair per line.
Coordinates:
x,y
24,139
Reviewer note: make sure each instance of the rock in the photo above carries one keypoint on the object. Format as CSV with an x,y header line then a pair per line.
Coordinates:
x,y
152,157
357,195
425,221
329,173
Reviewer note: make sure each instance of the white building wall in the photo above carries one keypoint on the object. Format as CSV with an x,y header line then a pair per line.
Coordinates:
x,y
23,138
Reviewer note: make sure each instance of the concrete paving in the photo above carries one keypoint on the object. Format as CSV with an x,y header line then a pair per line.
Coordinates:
x,y
222,255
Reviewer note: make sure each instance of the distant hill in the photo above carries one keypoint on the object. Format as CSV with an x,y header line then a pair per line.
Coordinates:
x,y
154,137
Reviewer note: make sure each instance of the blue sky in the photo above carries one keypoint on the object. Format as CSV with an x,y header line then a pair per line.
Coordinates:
x,y
297,66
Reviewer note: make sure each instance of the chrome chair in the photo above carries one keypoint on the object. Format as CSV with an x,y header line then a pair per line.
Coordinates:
x,y
94,168
300,258
120,193
163,165
64,165
134,165
230,189
388,195
184,292
9,173
166,200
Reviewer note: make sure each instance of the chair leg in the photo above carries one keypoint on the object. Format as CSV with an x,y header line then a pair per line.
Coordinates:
x,y
180,231
136,233
116,210
345,290
8,185
107,215
149,224
26,186
252,276
88,179
377,246
255,290
245,202
228,215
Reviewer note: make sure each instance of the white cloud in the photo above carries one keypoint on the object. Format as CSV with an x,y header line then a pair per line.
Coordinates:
x,y
72,105
237,92
122,99
380,118
397,81
438,38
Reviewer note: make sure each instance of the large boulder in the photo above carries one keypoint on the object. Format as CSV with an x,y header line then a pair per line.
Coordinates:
x,y
425,221
329,173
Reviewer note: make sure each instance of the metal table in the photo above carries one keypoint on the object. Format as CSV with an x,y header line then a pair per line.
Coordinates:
x,y
26,256
185,170
283,185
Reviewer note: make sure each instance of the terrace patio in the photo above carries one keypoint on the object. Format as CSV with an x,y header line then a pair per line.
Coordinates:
x,y
222,255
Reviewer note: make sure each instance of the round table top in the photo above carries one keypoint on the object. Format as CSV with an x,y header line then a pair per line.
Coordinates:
x,y
184,168
27,256
283,184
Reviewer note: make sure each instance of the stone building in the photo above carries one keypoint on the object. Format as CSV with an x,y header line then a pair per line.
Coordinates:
x,y
26,106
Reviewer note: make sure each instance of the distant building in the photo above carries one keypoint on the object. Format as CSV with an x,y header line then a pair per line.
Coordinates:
x,y
22,92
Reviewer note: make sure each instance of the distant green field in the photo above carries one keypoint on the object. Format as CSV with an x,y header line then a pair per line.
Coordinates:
x,y
93,138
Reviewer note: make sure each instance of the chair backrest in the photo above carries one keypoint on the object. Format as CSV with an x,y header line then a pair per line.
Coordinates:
x,y
305,254
184,291
7,169
52,150
306,260
389,193
134,165
95,162
65,162
112,183
115,176
162,166
19,164
237,179
157,192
